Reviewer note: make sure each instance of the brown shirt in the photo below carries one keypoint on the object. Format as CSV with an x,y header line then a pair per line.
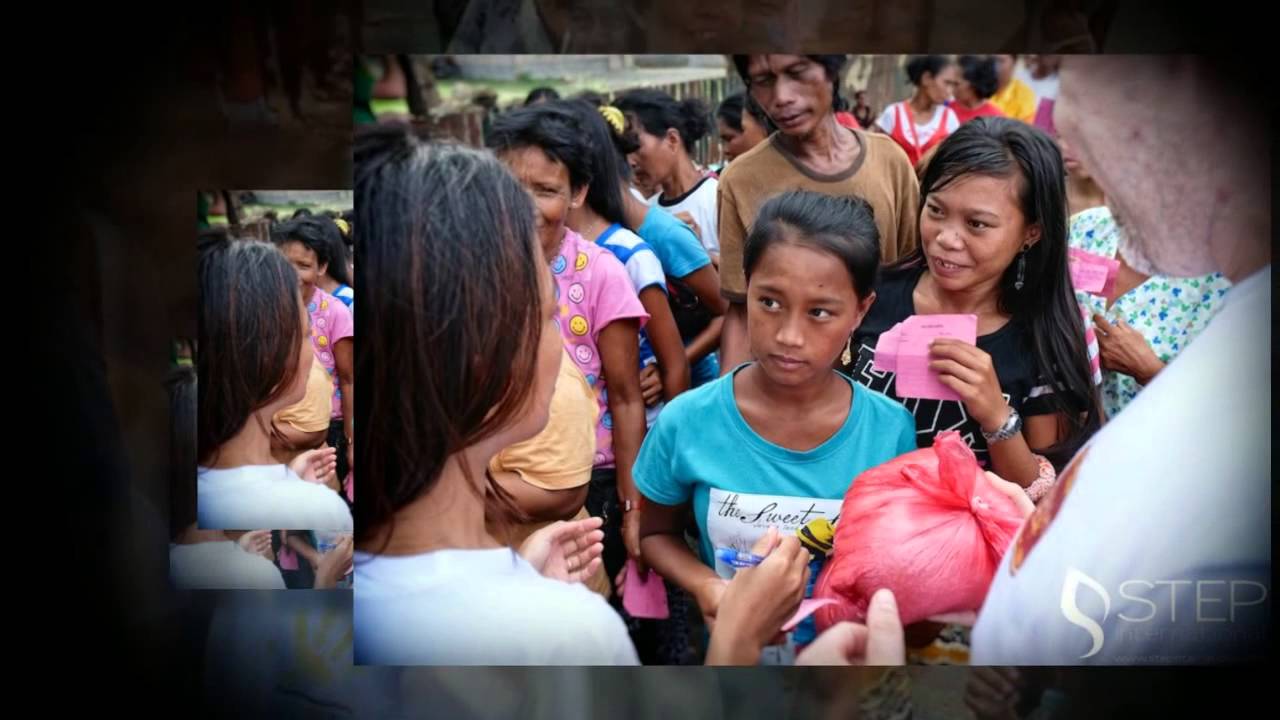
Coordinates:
x,y
881,175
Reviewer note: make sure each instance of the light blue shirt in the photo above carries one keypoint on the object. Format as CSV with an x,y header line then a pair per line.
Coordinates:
x,y
740,483
674,243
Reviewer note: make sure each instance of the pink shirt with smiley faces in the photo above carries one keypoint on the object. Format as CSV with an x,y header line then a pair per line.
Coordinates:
x,y
330,322
592,290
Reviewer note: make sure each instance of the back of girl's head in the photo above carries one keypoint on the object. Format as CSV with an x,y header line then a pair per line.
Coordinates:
x,y
980,72
658,111
250,334
448,345
1005,148
918,65
604,195
843,226
181,384
552,127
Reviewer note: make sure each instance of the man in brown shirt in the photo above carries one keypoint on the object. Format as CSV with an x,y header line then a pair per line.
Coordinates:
x,y
810,151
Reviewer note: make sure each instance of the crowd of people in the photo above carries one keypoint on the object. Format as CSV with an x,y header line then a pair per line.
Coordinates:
x,y
596,365
532,419
262,406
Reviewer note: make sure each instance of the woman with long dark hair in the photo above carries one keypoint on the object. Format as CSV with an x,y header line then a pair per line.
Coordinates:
x,y
253,358
993,242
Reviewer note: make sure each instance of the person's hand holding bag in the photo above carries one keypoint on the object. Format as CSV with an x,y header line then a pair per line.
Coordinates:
x,y
879,642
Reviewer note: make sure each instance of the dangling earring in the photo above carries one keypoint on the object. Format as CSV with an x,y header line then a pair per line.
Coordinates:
x,y
847,356
1022,267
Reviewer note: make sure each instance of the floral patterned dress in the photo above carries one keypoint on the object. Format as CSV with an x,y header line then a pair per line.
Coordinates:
x,y
1169,312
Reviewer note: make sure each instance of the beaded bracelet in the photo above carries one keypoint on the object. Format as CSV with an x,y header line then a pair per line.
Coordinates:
x,y
1048,476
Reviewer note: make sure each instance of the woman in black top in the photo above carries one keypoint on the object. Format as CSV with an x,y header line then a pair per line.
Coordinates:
x,y
993,242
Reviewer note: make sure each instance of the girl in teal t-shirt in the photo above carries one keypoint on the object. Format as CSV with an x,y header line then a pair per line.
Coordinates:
x,y
777,442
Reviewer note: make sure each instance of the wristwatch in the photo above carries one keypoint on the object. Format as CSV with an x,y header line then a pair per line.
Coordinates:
x,y
1012,426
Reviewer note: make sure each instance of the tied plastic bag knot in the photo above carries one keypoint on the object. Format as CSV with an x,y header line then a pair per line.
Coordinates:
x,y
928,525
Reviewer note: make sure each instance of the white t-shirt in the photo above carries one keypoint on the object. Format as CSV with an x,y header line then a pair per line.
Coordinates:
x,y
924,133
221,565
1160,549
266,496
479,607
700,202
642,264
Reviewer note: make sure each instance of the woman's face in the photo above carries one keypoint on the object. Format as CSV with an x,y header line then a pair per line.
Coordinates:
x,y
655,161
972,230
308,265
734,142
801,309
547,180
941,87
1004,69
964,91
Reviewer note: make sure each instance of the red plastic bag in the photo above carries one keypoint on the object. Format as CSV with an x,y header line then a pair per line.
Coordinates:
x,y
927,525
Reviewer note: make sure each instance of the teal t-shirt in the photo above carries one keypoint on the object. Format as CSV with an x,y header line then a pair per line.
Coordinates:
x,y
702,448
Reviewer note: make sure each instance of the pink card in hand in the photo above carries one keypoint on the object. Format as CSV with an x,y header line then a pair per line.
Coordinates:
x,y
1113,270
1091,273
807,608
886,359
914,378
288,559
644,597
